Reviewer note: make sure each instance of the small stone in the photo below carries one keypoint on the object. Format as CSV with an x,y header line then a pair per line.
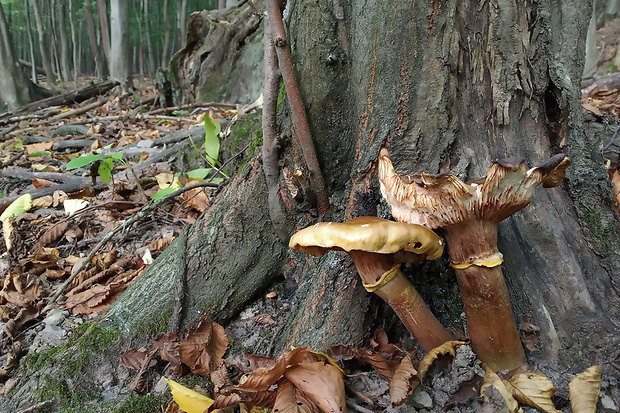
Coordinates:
x,y
421,399
607,404
161,387
55,317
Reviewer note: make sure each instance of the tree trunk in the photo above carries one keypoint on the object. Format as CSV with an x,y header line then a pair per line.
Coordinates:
x,y
93,39
120,53
181,21
31,46
447,86
591,58
74,43
13,86
45,56
103,24
64,42
165,53
150,51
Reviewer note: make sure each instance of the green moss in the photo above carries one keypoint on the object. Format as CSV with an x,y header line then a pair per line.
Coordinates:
x,y
141,404
612,68
281,96
601,228
64,398
159,323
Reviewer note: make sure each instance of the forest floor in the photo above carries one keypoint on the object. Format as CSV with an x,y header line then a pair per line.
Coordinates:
x,y
73,179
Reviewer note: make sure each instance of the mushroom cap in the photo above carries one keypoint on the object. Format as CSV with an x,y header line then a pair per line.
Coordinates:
x,y
437,201
369,234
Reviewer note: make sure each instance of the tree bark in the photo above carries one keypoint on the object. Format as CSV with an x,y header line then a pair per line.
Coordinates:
x,y
13,87
165,53
74,43
64,42
31,46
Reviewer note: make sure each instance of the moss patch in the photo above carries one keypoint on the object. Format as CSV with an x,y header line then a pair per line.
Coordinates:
x,y
602,229
140,404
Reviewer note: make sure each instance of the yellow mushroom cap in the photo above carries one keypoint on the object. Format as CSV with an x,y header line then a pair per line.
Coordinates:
x,y
370,234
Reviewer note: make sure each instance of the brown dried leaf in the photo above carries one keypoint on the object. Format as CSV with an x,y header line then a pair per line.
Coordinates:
x,y
225,400
384,367
534,390
5,312
135,358
204,346
584,390
615,178
52,234
168,347
35,147
161,244
7,230
173,407
42,183
400,386
196,198
263,378
55,274
106,259
265,319
291,400
322,383
341,353
42,202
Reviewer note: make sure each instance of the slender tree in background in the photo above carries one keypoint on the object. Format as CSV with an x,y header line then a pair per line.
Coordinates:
x,y
181,21
65,49
76,58
103,24
167,35
13,84
33,60
120,47
147,36
43,49
92,39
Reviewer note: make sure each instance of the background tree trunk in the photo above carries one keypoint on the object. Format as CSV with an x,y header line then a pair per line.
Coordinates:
x,y
13,86
120,53
447,86
93,40
103,24
45,56
64,42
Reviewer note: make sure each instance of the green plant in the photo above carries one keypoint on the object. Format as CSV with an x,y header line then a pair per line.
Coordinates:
x,y
105,163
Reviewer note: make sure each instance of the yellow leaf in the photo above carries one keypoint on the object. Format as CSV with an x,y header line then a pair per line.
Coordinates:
x,y
447,348
73,205
584,390
19,206
324,357
492,381
534,390
189,400
7,230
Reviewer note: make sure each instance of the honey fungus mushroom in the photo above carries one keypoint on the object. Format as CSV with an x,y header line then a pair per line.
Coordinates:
x,y
468,213
378,247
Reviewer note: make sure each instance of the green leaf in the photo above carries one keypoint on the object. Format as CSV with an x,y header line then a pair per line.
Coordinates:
x,y
19,144
212,141
116,155
19,206
105,170
216,180
82,161
163,192
180,112
200,173
39,153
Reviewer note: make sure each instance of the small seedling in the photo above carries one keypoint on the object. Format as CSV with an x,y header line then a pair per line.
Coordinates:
x,y
106,163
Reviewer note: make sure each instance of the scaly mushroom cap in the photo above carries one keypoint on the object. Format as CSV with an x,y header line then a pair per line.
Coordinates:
x,y
369,234
437,201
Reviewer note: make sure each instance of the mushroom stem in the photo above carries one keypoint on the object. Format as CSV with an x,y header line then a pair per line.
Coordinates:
x,y
490,320
401,295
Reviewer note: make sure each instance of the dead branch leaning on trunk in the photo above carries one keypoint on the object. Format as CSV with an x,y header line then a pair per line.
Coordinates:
x,y
270,145
298,111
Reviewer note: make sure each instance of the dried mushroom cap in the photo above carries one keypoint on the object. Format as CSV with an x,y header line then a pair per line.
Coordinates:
x,y
437,201
369,234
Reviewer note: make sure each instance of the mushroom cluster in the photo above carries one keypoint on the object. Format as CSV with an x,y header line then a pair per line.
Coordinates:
x,y
378,247
468,214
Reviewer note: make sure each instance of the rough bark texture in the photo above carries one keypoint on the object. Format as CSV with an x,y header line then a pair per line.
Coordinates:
x,y
448,86
221,61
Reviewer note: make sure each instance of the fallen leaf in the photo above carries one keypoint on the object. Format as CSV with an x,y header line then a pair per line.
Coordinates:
x,y
42,183
135,358
204,346
43,202
263,378
322,383
492,382
448,348
292,400
400,386
187,399
534,390
52,234
584,390
160,244
20,205
36,147
73,205
265,319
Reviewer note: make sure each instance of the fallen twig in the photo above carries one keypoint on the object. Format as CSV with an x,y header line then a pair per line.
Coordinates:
x,y
130,221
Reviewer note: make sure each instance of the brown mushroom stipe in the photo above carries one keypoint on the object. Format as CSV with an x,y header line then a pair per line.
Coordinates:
x,y
469,214
377,247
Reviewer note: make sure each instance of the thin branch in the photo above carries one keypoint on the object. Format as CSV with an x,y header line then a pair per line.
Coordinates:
x,y
270,145
297,106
